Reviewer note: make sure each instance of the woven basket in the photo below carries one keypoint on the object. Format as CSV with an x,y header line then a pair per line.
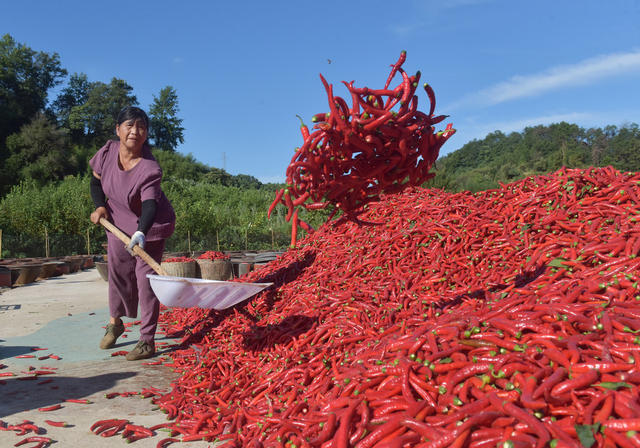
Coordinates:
x,y
180,268
215,269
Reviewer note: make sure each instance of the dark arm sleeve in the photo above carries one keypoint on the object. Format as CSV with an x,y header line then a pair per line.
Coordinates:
x,y
97,194
147,215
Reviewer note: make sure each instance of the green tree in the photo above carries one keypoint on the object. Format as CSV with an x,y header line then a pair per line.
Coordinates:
x,y
40,151
95,119
178,166
218,176
165,128
75,94
25,79
245,181
598,140
624,149
541,149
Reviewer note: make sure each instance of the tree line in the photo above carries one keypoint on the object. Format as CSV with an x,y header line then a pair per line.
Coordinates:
x,y
45,140
483,164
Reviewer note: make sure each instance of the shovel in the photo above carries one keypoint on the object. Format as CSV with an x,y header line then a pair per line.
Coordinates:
x,y
184,292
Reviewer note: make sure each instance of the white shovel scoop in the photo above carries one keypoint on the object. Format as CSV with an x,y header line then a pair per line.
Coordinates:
x,y
184,292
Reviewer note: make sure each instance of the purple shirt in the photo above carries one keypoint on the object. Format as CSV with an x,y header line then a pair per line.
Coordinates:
x,y
125,191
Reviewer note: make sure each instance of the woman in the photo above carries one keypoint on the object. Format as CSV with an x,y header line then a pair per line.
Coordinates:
x,y
125,189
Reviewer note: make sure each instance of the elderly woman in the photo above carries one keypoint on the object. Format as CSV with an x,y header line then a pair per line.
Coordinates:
x,y
125,189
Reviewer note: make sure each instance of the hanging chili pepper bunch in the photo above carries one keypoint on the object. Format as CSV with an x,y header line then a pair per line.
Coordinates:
x,y
380,145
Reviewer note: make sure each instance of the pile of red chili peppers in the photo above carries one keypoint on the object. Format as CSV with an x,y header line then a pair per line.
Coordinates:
x,y
381,144
503,318
179,260
213,255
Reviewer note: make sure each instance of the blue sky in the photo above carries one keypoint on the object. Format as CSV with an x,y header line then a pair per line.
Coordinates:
x,y
243,70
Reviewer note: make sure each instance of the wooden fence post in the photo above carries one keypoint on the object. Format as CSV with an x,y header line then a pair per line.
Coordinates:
x,y
189,240
218,240
88,243
46,243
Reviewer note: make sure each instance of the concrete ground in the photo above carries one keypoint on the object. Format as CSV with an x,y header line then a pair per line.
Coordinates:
x,y
64,317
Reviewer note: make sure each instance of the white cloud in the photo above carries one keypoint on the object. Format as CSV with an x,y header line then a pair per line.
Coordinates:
x,y
582,73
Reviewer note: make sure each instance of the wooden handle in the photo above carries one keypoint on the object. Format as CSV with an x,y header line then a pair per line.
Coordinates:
x,y
136,249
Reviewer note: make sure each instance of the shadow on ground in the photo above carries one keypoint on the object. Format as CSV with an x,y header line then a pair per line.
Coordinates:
x,y
15,350
31,392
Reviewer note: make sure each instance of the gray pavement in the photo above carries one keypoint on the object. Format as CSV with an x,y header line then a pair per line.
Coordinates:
x,y
54,326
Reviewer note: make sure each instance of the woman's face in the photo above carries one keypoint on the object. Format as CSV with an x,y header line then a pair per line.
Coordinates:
x,y
132,134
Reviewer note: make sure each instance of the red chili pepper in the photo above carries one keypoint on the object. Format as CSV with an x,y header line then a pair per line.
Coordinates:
x,y
294,229
109,428
432,98
275,202
57,424
152,363
401,60
303,128
50,408
289,205
627,424
42,442
586,379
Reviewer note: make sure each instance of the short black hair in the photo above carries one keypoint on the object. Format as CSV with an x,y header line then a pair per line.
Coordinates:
x,y
132,113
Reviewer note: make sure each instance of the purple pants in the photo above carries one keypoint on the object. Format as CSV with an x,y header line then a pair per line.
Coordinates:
x,y
129,285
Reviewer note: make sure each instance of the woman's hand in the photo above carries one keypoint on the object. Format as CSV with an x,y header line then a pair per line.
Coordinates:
x,y
100,212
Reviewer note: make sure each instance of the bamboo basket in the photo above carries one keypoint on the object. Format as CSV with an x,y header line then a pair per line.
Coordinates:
x,y
214,269
180,268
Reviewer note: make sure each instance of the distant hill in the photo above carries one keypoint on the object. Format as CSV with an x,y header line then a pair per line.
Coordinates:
x,y
481,164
